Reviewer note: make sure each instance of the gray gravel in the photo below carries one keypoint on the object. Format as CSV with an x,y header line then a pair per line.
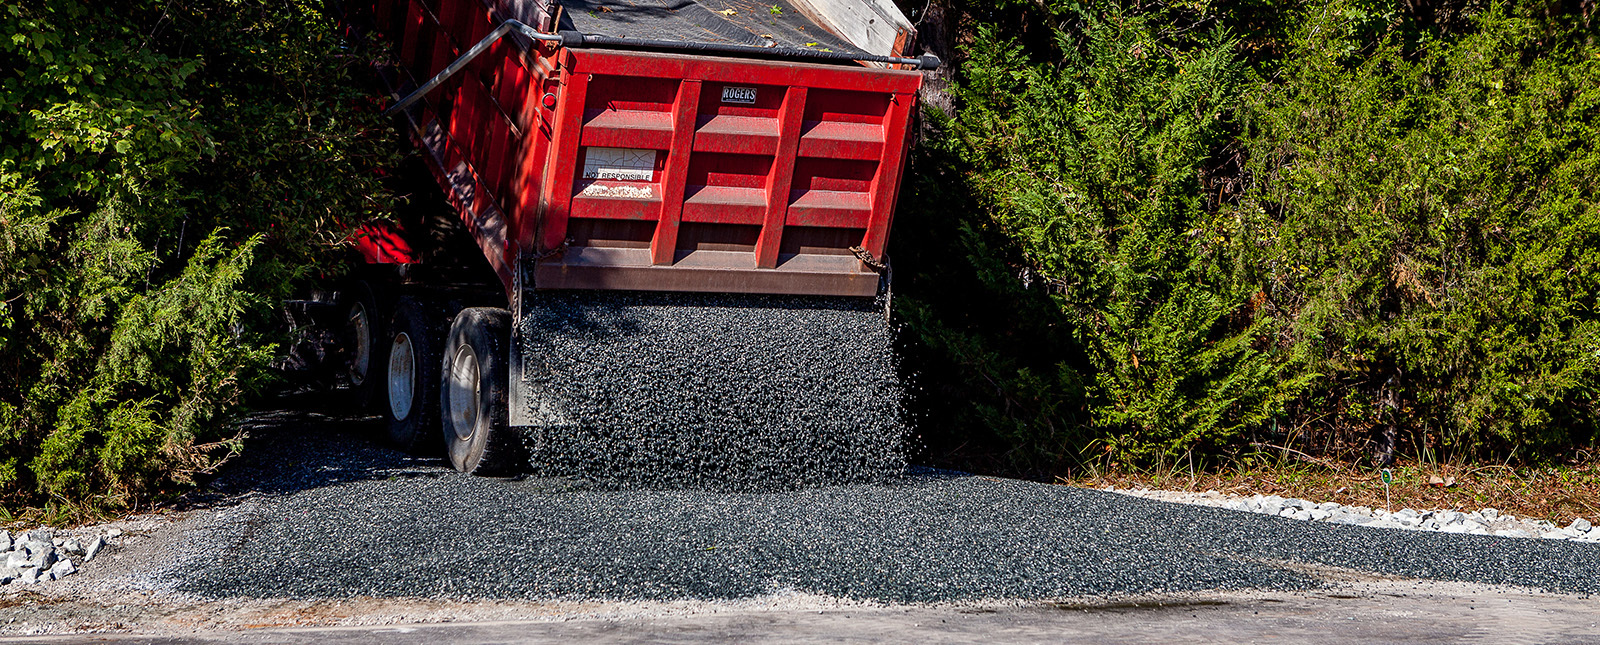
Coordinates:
x,y
712,391
317,513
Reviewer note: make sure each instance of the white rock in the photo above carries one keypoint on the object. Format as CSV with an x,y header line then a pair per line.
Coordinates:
x,y
71,545
1489,514
112,533
1319,514
1555,535
62,569
1515,533
94,548
29,576
40,554
5,541
1581,525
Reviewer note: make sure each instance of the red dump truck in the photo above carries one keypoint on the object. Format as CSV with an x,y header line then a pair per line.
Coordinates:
x,y
630,146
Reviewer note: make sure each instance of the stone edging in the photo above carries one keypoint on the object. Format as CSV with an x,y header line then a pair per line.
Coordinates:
x,y
1486,521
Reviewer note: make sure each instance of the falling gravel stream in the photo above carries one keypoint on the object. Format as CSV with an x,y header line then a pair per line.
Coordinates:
x,y
317,510
711,391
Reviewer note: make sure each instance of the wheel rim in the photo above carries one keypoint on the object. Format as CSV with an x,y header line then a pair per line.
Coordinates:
x,y
361,335
464,392
402,376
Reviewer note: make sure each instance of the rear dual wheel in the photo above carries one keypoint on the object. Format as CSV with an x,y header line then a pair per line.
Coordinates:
x,y
473,393
367,348
458,386
413,378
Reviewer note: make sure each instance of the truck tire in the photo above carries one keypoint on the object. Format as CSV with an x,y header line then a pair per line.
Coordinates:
x,y
473,393
413,378
367,349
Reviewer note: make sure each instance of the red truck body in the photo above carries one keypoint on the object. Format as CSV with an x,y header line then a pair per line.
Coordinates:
x,y
579,168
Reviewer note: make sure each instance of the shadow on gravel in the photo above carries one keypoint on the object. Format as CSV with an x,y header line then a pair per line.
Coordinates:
x,y
308,444
316,509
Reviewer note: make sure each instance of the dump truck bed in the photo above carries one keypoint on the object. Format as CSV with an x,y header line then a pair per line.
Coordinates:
x,y
583,167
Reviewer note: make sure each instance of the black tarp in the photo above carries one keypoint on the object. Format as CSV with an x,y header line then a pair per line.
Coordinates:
x,y
769,23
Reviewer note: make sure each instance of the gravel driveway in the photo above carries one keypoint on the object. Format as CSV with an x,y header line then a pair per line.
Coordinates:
x,y
317,510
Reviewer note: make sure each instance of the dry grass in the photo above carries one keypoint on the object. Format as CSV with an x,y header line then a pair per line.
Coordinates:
x,y
1555,493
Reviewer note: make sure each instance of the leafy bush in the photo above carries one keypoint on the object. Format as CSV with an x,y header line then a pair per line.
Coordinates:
x,y
1094,164
1424,220
1201,227
166,170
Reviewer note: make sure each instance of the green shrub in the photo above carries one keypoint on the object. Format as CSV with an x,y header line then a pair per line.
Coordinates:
x,y
1424,220
1348,224
166,170
1093,166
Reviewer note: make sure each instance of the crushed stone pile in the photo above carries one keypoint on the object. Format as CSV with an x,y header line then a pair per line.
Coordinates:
x,y
712,391
1487,521
42,555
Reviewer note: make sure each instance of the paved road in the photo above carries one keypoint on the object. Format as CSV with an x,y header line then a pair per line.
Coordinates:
x,y
1373,614
315,511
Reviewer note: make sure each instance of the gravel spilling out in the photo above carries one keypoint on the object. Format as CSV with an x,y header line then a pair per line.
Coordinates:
x,y
1487,521
311,513
713,391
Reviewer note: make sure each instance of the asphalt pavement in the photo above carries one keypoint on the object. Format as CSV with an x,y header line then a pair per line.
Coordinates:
x,y
1373,615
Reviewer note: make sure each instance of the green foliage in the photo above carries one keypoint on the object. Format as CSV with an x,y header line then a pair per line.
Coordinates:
x,y
1426,220
1093,166
166,171
1197,226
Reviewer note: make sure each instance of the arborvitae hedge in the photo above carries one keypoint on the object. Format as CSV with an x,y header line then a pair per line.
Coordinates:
x,y
166,170
1346,225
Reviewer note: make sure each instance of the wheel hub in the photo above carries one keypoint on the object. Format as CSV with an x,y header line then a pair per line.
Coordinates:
x,y
402,376
361,337
464,384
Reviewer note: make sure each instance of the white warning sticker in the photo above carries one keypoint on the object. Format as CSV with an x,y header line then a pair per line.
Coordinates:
x,y
619,163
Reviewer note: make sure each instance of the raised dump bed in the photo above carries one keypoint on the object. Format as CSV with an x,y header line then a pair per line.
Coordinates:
x,y
721,146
